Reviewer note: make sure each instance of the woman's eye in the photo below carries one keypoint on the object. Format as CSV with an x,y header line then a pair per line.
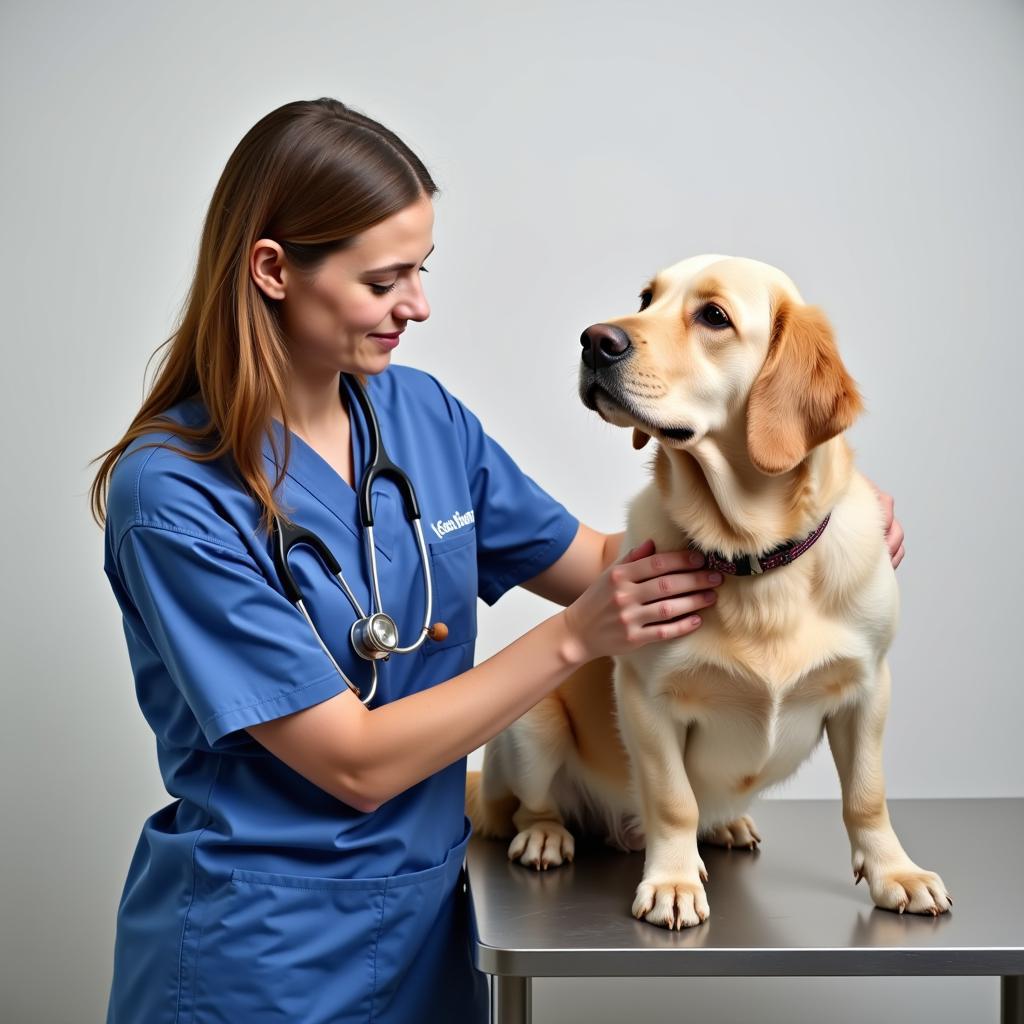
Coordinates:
x,y
714,316
645,299
383,289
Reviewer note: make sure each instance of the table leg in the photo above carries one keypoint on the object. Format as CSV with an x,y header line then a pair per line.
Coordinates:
x,y
511,1000
1011,1002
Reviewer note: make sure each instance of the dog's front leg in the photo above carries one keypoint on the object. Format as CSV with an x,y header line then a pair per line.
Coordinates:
x,y
671,893
855,736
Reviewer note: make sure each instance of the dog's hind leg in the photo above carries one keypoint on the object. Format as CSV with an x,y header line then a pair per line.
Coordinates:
x,y
536,747
490,803
741,832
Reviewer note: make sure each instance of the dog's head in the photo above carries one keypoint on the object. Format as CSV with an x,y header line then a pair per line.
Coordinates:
x,y
718,339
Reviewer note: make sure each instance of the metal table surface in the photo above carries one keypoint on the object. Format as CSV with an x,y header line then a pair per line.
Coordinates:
x,y
789,908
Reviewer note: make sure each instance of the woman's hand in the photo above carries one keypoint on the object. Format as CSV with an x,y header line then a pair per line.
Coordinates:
x,y
633,601
893,530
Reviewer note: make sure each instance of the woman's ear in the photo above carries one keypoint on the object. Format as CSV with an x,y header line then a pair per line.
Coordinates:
x,y
640,438
803,395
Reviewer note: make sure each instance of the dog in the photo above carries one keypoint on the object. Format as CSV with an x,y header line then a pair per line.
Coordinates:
x,y
741,384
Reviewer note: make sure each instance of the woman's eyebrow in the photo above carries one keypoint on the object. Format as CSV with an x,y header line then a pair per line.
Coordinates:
x,y
396,266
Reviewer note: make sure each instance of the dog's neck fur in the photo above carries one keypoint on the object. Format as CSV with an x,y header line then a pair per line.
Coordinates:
x,y
721,502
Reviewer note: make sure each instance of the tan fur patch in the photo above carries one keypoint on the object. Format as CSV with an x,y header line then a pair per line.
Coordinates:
x,y
588,700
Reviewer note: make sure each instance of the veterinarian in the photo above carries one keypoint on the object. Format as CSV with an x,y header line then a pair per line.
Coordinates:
x,y
310,867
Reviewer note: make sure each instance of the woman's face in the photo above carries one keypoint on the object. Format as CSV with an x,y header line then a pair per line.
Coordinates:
x,y
330,321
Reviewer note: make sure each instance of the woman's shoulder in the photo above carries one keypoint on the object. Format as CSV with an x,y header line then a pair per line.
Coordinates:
x,y
155,482
407,387
406,383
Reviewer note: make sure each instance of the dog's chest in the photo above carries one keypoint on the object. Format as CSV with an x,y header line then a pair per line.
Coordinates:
x,y
781,648
757,701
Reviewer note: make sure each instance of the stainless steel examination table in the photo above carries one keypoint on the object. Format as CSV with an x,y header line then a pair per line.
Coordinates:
x,y
788,909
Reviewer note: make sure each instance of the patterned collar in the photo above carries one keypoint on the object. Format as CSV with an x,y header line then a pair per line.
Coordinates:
x,y
752,565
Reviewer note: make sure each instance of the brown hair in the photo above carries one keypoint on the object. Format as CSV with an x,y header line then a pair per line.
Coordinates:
x,y
311,175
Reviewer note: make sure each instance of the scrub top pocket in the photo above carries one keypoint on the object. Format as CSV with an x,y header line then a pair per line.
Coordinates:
x,y
454,569
315,949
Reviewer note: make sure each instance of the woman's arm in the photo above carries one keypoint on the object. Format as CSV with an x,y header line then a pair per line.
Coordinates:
x,y
364,757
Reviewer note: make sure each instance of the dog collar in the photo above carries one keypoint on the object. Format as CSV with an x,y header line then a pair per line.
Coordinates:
x,y
752,565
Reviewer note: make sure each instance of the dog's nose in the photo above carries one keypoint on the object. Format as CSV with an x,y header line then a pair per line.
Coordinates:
x,y
603,344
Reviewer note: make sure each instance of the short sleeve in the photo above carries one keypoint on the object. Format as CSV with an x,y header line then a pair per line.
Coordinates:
x,y
521,529
238,651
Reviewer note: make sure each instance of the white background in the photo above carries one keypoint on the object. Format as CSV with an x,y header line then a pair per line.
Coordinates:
x,y
871,150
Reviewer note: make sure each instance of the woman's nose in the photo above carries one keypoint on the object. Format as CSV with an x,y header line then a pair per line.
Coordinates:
x,y
416,306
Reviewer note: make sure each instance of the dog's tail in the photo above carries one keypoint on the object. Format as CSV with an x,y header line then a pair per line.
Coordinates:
x,y
491,819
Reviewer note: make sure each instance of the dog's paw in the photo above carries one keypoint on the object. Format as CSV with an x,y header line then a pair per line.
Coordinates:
x,y
674,904
741,832
543,845
904,887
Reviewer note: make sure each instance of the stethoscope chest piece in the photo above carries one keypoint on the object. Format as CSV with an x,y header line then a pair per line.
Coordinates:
x,y
374,637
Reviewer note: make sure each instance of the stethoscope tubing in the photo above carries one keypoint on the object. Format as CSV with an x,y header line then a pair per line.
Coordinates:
x,y
365,632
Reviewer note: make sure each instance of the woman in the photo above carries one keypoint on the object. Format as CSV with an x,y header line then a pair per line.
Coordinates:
x,y
310,867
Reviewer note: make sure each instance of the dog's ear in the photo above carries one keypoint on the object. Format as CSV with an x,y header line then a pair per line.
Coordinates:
x,y
803,395
640,438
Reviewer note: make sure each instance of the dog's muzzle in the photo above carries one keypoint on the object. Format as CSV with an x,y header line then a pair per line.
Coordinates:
x,y
604,345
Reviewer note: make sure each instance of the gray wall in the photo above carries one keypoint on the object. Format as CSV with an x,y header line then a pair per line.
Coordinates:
x,y
870,150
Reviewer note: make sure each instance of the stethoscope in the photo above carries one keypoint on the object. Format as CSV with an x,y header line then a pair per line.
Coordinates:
x,y
374,637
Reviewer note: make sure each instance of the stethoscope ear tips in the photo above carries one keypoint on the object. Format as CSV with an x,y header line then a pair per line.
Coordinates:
x,y
438,631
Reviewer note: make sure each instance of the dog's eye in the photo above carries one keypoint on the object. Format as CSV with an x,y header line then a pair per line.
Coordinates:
x,y
714,316
645,299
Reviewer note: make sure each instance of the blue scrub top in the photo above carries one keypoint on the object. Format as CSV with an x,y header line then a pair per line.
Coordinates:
x,y
255,893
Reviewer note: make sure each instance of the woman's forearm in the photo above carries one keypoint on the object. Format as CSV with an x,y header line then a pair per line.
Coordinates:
x,y
413,737
612,543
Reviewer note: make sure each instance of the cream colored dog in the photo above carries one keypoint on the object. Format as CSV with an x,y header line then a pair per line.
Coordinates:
x,y
742,386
